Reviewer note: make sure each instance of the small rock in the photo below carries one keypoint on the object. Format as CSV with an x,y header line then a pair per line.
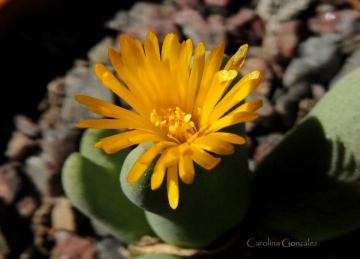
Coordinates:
x,y
245,26
318,91
62,215
194,26
119,22
81,80
240,19
20,146
290,34
10,183
37,171
271,48
110,248
69,246
26,125
265,144
282,45
43,235
267,74
287,105
219,3
99,52
305,107
142,13
4,248
26,206
217,30
56,92
159,27
344,22
319,59
185,4
57,144
261,150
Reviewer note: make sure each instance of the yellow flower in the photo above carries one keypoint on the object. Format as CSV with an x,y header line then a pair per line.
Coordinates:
x,y
180,102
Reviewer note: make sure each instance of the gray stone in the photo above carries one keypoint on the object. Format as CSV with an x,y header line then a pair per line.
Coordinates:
x,y
99,52
20,146
83,81
110,248
63,216
319,59
26,125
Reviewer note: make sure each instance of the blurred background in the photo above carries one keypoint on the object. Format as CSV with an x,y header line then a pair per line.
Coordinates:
x,y
39,40
47,52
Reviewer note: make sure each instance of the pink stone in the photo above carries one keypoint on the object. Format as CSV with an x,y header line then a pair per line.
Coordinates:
x,y
219,3
185,4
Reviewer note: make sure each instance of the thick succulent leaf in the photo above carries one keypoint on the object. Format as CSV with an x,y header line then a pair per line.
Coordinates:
x,y
91,182
308,185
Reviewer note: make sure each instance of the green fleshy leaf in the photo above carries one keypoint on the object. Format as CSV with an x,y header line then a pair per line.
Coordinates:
x,y
307,186
91,182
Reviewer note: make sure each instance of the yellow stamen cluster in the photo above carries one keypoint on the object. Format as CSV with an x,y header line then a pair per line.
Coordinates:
x,y
175,123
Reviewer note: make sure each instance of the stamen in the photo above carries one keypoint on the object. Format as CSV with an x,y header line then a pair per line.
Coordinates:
x,y
175,123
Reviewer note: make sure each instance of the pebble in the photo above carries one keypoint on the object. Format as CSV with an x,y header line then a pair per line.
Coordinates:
x,y
69,245
26,206
37,171
20,146
185,4
62,215
194,26
26,125
10,184
81,81
345,22
99,52
319,59
110,248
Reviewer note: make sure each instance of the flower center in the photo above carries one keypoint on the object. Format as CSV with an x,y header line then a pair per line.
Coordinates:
x,y
175,123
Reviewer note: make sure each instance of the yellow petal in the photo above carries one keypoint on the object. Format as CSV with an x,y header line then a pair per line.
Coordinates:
x,y
106,124
251,106
239,92
203,158
218,87
185,149
190,47
237,60
111,82
158,174
153,151
212,65
232,119
172,157
123,140
153,40
173,186
229,137
195,76
110,110
183,74
136,172
214,145
186,169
